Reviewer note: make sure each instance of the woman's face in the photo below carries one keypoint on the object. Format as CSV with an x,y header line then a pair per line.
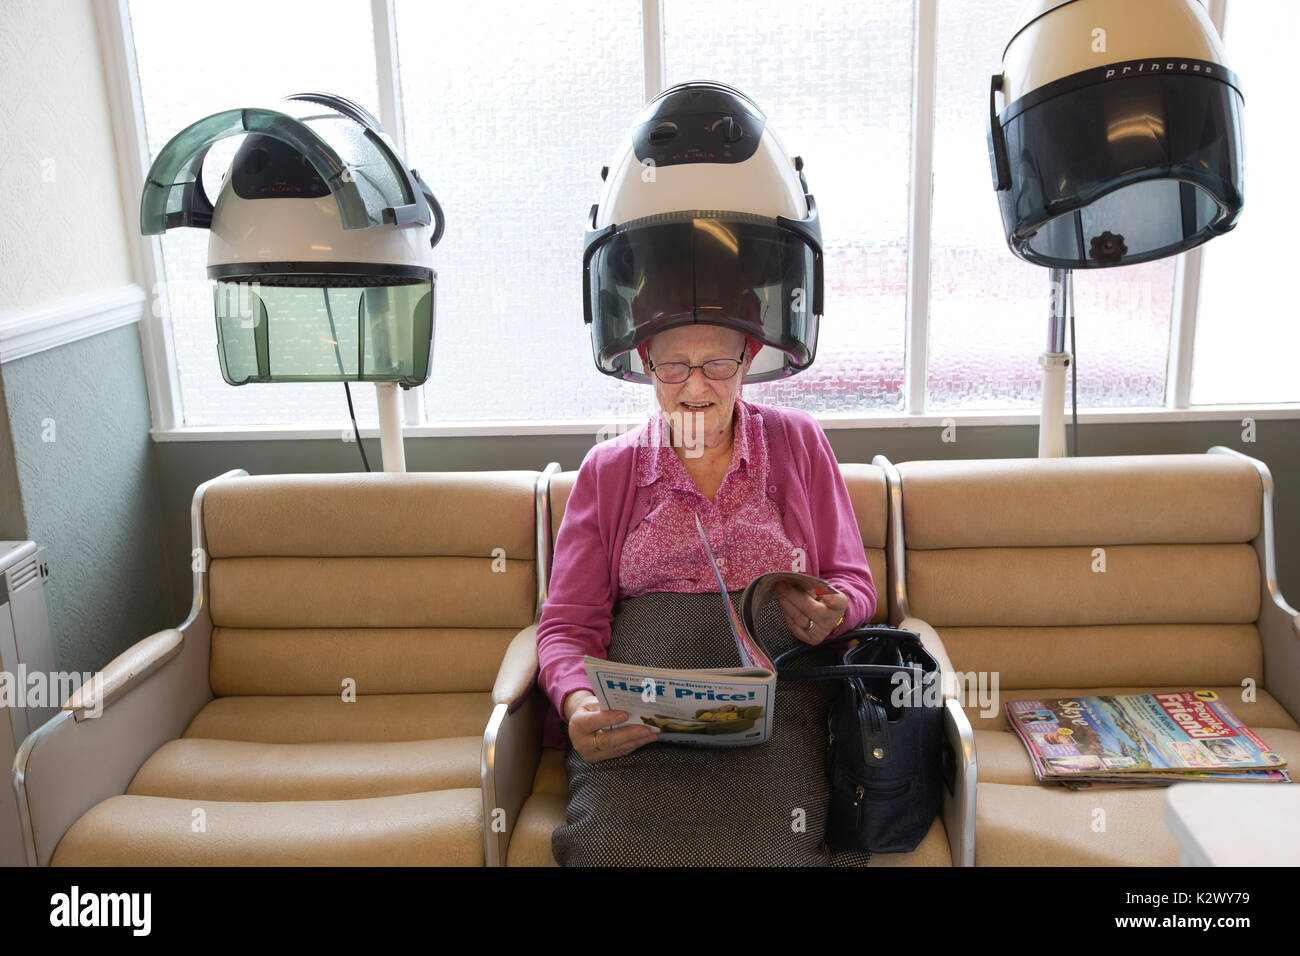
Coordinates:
x,y
696,428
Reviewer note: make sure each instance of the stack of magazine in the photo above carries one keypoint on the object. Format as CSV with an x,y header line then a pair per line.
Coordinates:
x,y
1137,740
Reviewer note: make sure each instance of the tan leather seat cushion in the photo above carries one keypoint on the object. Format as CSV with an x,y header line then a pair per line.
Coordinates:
x,y
1170,655
193,768
440,513
1020,822
386,780
542,812
1051,826
251,662
932,851
367,592
291,720
439,828
1047,587
530,842
1088,501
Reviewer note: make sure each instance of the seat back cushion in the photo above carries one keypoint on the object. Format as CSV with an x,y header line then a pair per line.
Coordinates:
x,y
404,582
1106,571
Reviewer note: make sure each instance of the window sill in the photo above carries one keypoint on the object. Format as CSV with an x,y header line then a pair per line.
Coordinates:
x,y
591,427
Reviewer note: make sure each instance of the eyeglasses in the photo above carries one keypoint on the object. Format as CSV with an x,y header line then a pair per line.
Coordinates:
x,y
674,373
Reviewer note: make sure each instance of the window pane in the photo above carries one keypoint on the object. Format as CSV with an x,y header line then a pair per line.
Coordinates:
x,y
511,110
988,309
1247,334
287,52
835,81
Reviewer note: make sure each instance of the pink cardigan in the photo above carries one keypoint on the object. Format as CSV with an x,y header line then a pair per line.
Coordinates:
x,y
805,482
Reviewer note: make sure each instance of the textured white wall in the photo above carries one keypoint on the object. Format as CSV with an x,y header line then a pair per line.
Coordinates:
x,y
61,222
77,468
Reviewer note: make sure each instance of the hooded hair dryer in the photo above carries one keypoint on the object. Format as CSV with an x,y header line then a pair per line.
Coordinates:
x,y
703,218
321,247
1120,141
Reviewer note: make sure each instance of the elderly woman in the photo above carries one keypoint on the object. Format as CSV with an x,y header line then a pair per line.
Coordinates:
x,y
631,583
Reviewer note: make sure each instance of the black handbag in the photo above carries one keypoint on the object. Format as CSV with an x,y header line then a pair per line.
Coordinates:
x,y
885,740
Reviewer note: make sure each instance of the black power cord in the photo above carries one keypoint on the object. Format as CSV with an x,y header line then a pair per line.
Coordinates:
x,y
346,390
1074,388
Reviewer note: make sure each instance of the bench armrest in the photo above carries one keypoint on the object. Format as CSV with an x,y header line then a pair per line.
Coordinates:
x,y
959,775
512,743
1279,622
512,749
85,754
958,808
517,675
932,643
124,673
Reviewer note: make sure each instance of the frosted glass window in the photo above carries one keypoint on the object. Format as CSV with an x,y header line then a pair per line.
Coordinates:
x,y
1248,325
511,110
988,309
266,51
835,81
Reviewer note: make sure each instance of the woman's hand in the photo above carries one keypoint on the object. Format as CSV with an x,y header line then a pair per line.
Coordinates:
x,y
801,609
589,733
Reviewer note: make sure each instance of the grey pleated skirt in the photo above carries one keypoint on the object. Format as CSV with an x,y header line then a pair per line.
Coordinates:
x,y
676,805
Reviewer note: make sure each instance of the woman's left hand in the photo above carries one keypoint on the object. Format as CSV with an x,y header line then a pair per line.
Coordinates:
x,y
811,619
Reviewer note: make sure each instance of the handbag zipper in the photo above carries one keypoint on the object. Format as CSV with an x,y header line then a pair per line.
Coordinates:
x,y
875,793
878,792
884,793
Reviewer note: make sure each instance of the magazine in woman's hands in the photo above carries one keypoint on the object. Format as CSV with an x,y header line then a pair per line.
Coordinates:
x,y
712,707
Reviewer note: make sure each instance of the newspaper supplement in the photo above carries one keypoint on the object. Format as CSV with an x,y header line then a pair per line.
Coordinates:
x,y
729,707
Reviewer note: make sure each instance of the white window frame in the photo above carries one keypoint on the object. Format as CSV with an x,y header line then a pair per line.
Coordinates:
x,y
155,325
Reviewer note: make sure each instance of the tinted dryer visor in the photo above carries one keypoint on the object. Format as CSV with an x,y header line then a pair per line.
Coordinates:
x,y
758,275
1120,164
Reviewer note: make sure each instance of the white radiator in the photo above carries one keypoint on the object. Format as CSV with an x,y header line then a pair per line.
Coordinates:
x,y
25,649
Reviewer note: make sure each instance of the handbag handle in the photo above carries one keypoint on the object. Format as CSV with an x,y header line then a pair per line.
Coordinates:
x,y
841,671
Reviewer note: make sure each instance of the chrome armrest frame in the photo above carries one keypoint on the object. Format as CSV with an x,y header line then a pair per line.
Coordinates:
x,y
513,736
896,549
958,809
1278,630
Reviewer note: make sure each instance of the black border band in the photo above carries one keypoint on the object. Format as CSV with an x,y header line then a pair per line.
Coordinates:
x,y
1122,70
241,270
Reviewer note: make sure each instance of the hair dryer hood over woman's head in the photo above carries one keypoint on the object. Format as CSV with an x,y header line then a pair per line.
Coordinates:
x,y
703,219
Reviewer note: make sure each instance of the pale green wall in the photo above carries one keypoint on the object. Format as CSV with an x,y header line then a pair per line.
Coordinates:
x,y
13,523
90,496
